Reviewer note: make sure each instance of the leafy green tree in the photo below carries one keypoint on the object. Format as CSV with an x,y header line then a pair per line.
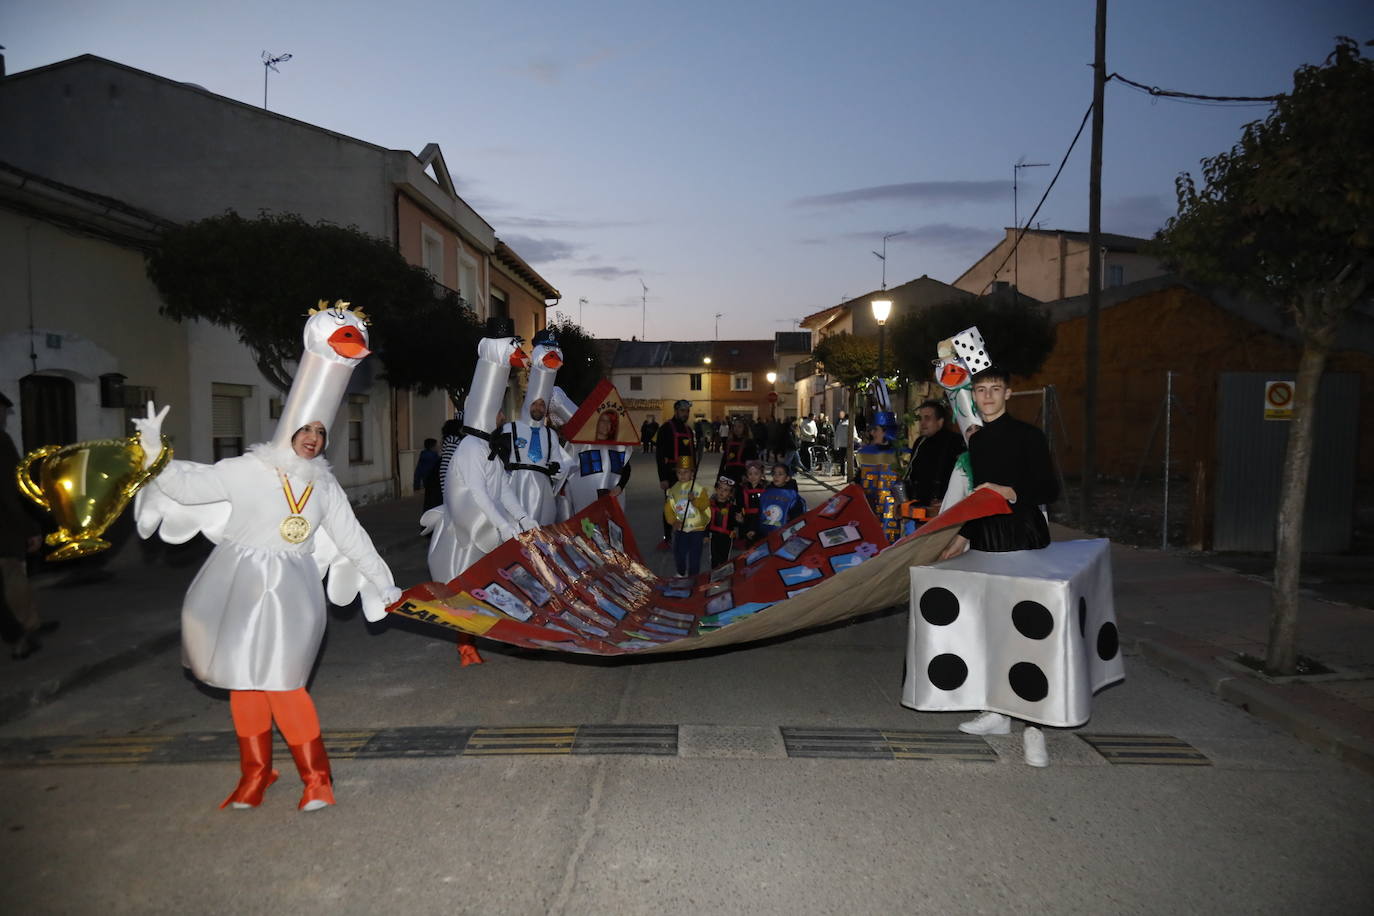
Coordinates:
x,y
583,366
259,277
854,362
1287,216
1019,335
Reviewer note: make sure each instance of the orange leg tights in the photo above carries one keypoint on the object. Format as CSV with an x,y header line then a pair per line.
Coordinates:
x,y
253,712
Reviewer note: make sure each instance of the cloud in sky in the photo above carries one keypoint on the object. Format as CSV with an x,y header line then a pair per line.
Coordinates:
x,y
921,192
548,222
605,273
1138,215
548,70
939,235
541,250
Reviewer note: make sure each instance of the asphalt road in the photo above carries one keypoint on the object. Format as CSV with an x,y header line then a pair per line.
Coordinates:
x,y
713,814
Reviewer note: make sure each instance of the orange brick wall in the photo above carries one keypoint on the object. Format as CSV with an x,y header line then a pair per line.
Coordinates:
x,y
1173,329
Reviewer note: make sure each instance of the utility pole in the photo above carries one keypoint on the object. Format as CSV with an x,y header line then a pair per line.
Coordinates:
x,y
1089,464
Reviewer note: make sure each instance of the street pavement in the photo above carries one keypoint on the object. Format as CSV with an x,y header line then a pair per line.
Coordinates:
x,y
783,777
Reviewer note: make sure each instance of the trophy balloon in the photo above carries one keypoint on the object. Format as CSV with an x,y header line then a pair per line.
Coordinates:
x,y
85,486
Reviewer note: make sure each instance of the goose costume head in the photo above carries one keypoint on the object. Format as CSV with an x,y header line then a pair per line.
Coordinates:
x,y
335,342
546,360
498,353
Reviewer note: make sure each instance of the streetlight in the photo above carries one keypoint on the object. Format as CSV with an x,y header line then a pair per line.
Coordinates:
x,y
881,309
773,400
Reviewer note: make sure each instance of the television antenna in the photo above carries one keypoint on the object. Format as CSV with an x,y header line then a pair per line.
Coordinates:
x,y
269,62
1016,215
883,257
643,307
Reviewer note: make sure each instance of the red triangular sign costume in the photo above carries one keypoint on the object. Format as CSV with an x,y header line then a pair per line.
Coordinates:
x,y
604,400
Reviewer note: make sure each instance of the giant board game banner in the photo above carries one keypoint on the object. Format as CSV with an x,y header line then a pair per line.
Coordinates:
x,y
581,585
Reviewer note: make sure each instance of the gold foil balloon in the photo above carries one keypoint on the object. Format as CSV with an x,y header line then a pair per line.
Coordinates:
x,y
85,486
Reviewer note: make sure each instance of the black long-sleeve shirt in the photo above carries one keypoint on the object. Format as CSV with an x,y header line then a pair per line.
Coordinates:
x,y
932,461
1015,454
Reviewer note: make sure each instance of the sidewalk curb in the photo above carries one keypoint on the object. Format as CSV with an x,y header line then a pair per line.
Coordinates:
x,y
19,703
1321,721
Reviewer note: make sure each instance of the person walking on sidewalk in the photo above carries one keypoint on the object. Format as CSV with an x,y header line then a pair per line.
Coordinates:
x,y
254,618
673,442
807,434
1011,458
20,536
427,474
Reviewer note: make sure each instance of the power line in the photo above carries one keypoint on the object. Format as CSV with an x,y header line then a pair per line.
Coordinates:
x,y
1175,95
1031,219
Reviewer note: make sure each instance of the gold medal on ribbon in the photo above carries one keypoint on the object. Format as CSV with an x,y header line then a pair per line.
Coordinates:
x,y
295,528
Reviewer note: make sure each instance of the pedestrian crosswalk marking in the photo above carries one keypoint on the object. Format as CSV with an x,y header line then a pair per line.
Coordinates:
x,y
1157,750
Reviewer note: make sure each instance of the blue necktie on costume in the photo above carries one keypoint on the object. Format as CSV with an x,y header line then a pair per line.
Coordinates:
x,y
536,445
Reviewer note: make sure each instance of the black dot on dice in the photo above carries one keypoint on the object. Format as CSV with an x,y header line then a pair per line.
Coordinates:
x,y
1032,619
948,672
939,607
1107,642
1082,616
1028,682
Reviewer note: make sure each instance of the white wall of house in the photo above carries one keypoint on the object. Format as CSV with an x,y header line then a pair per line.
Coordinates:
x,y
93,311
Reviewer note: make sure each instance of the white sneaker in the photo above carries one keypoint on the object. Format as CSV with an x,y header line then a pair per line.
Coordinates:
x,y
989,723
1034,743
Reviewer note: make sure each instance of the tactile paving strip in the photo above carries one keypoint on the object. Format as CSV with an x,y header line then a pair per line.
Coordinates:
x,y
1152,750
885,744
566,740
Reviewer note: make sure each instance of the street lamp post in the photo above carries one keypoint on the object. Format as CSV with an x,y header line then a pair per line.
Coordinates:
x,y
773,399
881,309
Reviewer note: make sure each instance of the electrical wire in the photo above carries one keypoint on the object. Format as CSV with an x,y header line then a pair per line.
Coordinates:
x,y
1021,230
1174,95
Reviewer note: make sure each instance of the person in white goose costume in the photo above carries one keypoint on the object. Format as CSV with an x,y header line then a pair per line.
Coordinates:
x,y
254,617
534,457
479,512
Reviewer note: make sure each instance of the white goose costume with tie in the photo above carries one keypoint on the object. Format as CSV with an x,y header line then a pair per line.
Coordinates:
x,y
536,460
479,512
254,617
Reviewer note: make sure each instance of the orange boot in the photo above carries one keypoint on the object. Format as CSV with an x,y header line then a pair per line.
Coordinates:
x,y
313,764
467,655
255,761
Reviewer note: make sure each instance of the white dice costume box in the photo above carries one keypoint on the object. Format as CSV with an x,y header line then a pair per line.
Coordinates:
x,y
1030,634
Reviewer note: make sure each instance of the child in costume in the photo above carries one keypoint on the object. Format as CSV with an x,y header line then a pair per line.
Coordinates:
x,y
688,509
724,521
780,503
750,490
254,617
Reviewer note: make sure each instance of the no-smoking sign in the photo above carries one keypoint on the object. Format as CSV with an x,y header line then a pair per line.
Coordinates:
x,y
1278,400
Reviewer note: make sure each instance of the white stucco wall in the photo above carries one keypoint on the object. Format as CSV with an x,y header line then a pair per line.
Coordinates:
x,y
93,296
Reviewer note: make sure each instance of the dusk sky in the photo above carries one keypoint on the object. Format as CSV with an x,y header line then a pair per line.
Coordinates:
x,y
737,157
